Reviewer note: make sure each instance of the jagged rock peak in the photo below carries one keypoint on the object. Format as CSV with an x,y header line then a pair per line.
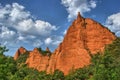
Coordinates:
x,y
84,37
20,51
22,47
48,50
79,17
35,49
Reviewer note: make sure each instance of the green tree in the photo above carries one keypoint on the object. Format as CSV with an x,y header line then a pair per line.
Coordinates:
x,y
7,65
3,49
79,74
107,66
58,75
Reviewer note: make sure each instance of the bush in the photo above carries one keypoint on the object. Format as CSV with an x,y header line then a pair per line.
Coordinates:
x,y
58,75
22,58
3,49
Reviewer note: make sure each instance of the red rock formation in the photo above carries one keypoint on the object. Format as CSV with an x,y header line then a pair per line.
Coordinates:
x,y
84,37
20,51
37,60
47,49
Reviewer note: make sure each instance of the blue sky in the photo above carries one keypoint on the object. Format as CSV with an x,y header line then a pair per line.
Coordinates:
x,y
43,23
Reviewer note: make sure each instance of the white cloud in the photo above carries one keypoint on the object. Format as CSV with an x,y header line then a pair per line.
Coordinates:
x,y
64,32
113,23
92,4
4,11
17,12
54,40
25,25
6,33
57,40
21,38
37,43
44,28
7,36
19,27
75,6
16,17
48,41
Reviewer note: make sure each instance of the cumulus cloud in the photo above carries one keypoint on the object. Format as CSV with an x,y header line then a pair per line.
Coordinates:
x,y
22,21
18,26
75,6
17,12
37,43
7,36
54,40
48,41
113,23
57,40
21,38
5,33
43,27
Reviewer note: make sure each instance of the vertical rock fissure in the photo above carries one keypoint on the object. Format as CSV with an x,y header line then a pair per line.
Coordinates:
x,y
85,40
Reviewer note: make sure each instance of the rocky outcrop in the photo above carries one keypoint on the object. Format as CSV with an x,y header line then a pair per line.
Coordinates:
x,y
37,60
20,51
84,37
48,50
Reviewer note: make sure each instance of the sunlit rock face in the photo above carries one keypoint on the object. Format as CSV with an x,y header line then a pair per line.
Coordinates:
x,y
84,37
37,61
20,51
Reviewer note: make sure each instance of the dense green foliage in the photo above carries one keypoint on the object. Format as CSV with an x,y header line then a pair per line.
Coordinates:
x,y
7,65
22,58
3,49
17,70
105,66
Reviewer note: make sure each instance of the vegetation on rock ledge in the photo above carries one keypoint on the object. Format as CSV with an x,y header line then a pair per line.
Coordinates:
x,y
43,52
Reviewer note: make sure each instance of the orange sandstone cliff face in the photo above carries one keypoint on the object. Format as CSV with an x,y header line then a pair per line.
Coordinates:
x,y
20,51
37,60
84,37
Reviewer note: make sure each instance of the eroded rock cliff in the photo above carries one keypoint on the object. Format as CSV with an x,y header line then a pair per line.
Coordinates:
x,y
37,60
20,51
84,37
